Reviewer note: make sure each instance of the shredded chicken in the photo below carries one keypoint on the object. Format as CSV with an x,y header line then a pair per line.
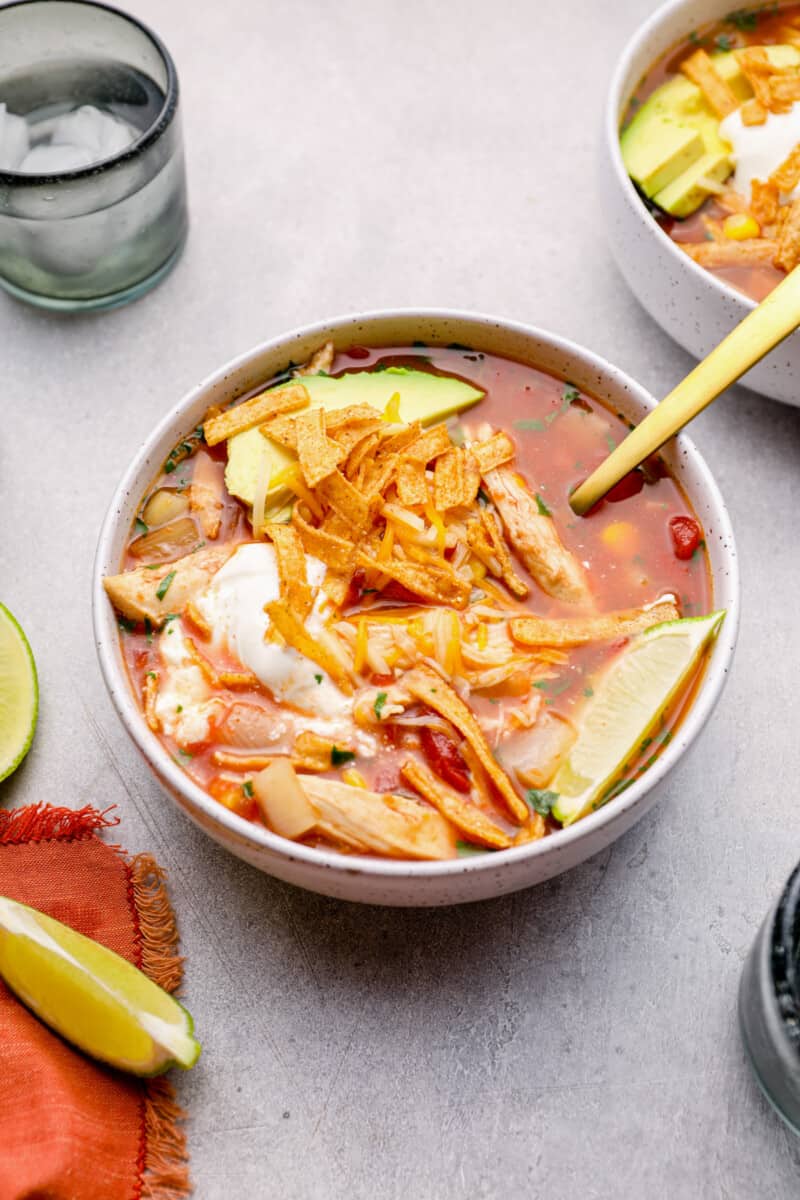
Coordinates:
x,y
146,594
535,538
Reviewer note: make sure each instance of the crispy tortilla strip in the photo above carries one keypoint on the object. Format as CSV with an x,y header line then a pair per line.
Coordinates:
x,y
429,445
485,539
149,696
375,477
336,552
495,451
294,634
338,493
227,679
291,561
700,69
787,175
134,594
731,254
753,112
429,688
411,482
320,362
241,762
757,70
255,411
281,430
788,252
208,507
319,455
336,586
784,90
542,631
531,831
456,479
390,825
535,539
396,442
436,582
313,751
362,452
763,201
352,415
469,820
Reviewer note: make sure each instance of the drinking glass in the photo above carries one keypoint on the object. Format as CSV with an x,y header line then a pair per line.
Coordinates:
x,y
102,234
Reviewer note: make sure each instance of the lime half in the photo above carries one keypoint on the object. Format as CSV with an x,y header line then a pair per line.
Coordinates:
x,y
627,706
92,997
19,694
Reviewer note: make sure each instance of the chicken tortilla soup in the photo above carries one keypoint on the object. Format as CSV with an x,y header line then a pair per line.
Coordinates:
x,y
357,608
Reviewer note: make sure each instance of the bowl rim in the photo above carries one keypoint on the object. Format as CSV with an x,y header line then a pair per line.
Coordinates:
x,y
615,99
236,828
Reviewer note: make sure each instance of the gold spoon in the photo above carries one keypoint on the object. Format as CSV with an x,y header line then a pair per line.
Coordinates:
x,y
768,324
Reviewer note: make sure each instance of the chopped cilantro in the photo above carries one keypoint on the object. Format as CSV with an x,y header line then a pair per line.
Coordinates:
x,y
666,738
368,591
527,423
694,38
541,802
247,787
542,507
614,790
179,708
742,20
148,629
184,449
466,849
612,445
318,678
588,691
163,587
482,496
380,700
647,742
554,686
339,757
152,675
185,754
125,625
723,42
139,525
570,392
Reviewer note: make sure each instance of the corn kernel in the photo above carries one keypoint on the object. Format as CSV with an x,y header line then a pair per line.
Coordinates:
x,y
739,226
621,537
353,777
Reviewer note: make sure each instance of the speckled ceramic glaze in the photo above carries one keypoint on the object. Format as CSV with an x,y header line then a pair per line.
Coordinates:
x,y
690,304
376,881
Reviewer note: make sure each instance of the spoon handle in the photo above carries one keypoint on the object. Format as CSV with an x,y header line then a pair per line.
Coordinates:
x,y
768,324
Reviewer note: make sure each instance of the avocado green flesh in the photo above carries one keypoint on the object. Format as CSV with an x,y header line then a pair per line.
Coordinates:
x,y
673,144
423,397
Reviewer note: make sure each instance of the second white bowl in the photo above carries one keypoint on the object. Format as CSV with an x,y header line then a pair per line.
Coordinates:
x,y
693,306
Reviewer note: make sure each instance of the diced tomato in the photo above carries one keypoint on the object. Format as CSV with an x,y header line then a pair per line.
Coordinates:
x,y
357,352
630,485
686,536
354,590
444,758
381,680
233,797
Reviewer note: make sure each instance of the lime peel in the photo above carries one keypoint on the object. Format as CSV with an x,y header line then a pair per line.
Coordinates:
x,y
91,996
627,704
19,694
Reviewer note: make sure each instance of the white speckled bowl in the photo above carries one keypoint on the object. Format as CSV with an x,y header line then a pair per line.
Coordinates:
x,y
690,304
412,883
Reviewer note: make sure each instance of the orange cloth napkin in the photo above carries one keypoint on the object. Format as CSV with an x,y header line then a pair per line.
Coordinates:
x,y
73,1129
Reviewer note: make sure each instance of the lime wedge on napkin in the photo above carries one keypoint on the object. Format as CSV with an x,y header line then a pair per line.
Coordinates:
x,y
94,998
19,694
627,705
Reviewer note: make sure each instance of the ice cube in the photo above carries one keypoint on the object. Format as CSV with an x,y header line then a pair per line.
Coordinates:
x,y
14,141
96,131
52,160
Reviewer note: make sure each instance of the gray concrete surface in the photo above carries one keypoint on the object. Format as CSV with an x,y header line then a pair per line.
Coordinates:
x,y
576,1042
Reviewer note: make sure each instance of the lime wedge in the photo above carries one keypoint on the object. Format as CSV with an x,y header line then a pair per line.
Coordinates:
x,y
92,997
627,705
19,694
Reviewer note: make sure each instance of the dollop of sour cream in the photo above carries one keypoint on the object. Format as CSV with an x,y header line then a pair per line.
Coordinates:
x,y
233,605
758,150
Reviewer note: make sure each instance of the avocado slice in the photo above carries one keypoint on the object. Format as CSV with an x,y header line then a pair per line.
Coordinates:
x,y
423,397
673,143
